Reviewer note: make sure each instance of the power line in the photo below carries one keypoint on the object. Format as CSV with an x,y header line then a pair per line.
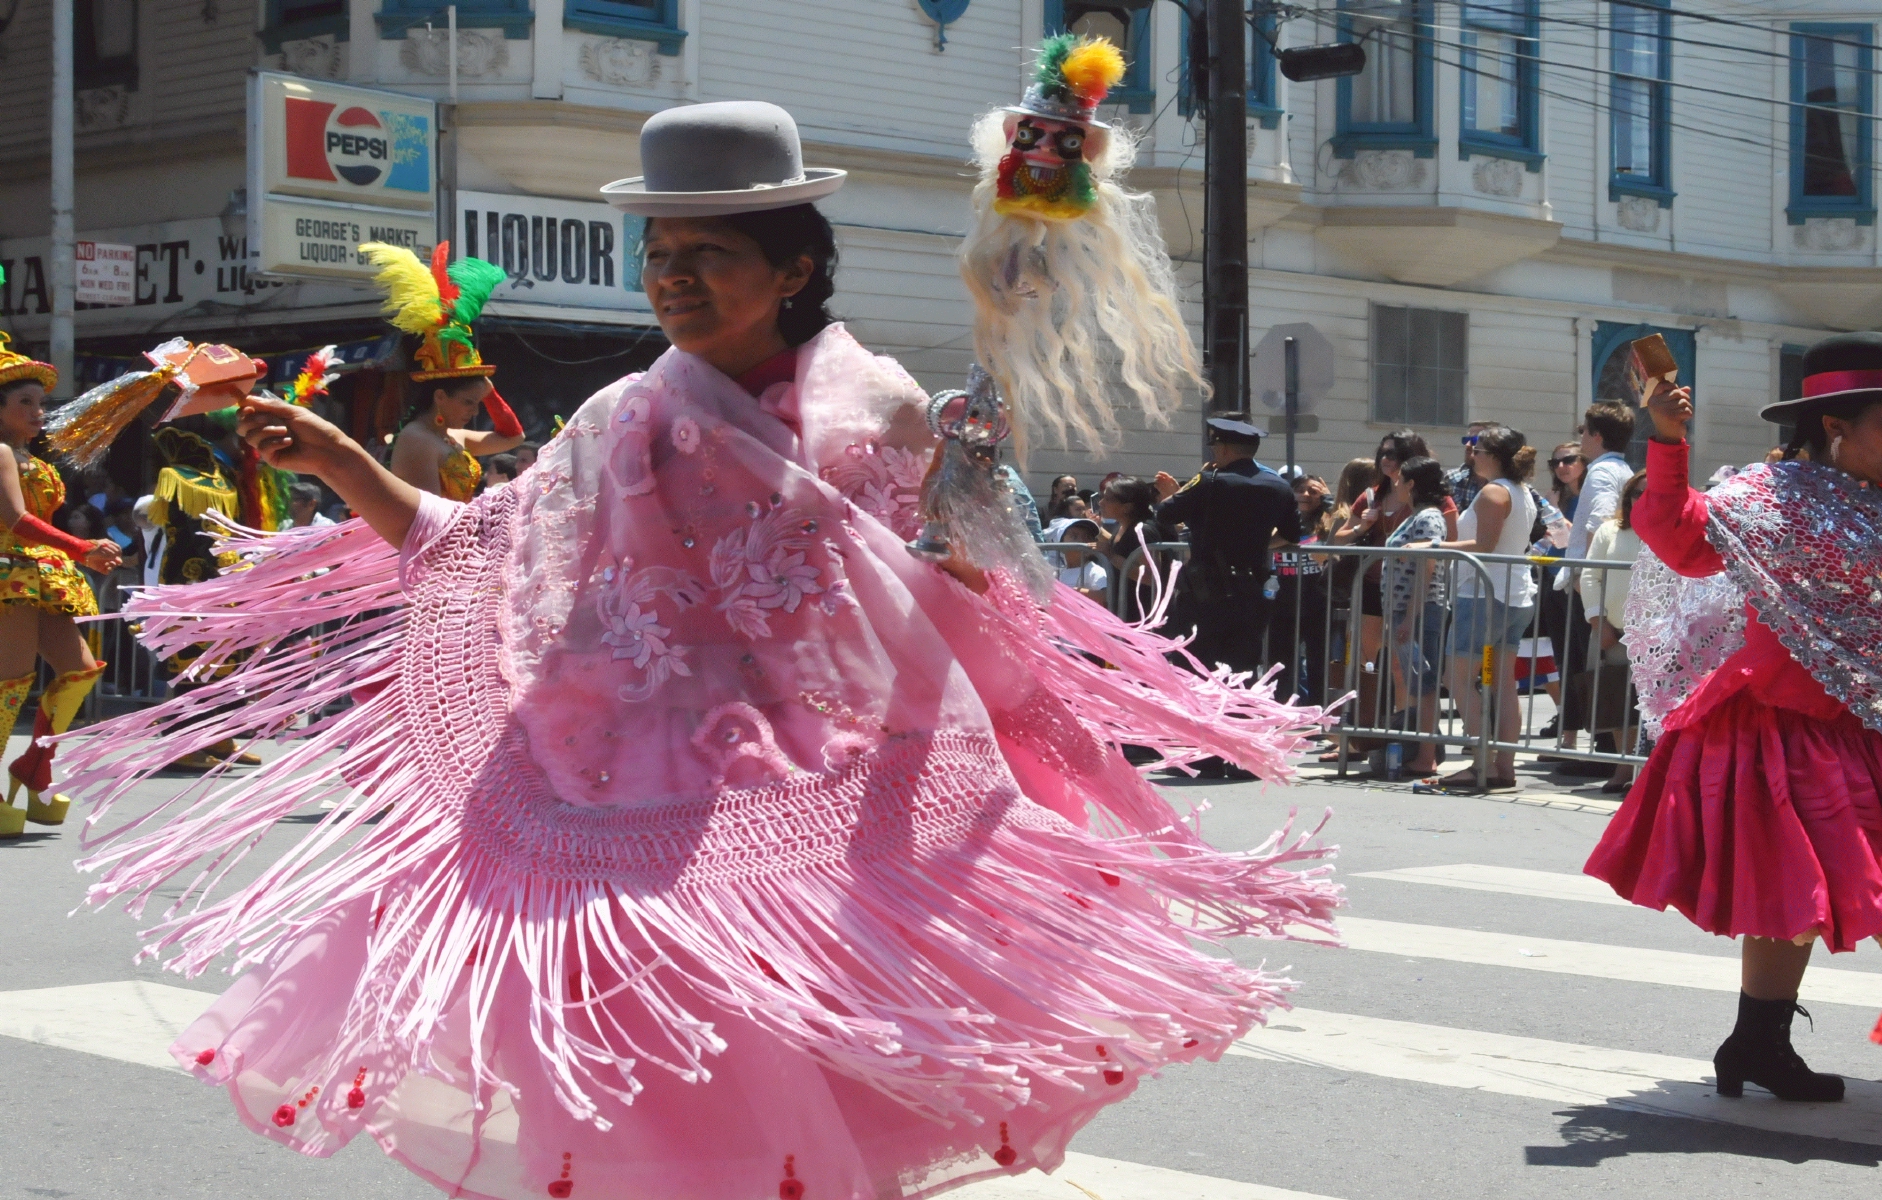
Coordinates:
x,y
1598,26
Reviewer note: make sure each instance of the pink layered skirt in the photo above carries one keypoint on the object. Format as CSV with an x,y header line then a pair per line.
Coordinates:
x,y
1758,820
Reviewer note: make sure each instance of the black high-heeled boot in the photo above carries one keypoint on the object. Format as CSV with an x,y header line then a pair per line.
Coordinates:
x,y
1759,1051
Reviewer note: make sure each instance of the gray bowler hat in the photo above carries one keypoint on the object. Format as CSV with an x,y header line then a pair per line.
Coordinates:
x,y
711,160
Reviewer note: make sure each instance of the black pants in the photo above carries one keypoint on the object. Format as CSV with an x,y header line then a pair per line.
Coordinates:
x,y
1230,629
1297,638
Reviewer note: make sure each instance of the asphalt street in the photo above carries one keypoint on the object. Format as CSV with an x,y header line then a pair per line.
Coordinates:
x,y
1495,1027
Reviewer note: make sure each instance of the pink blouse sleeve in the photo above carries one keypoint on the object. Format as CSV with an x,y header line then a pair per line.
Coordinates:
x,y
434,516
1670,515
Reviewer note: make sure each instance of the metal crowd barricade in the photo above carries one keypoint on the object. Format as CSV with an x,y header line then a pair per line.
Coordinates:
x,y
1320,634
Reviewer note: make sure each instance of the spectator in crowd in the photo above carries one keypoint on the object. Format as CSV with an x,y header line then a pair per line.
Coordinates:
x,y
1299,622
1127,507
1463,481
499,470
1083,570
1373,518
1415,594
304,505
1606,431
1064,487
1567,469
1076,506
1605,602
1492,613
102,491
151,535
1022,499
525,456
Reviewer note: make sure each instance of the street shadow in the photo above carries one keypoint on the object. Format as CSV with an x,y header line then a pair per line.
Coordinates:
x,y
1689,1118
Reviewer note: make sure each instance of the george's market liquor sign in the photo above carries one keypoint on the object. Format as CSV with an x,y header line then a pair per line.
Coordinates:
x,y
331,166
192,271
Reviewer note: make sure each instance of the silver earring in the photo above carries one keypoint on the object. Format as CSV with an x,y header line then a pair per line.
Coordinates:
x,y
787,303
1836,449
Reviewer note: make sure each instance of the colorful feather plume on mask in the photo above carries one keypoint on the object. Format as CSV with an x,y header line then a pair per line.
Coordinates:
x,y
315,375
1075,69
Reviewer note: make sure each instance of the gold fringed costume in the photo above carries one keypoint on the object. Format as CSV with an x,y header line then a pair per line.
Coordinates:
x,y
42,576
459,474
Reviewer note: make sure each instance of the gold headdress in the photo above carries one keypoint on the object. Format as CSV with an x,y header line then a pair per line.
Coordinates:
x,y
437,306
15,366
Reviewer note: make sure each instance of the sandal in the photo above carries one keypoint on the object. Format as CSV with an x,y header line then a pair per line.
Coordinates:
x,y
1457,783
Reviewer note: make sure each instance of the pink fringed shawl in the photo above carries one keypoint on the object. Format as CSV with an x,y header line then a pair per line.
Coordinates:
x,y
669,738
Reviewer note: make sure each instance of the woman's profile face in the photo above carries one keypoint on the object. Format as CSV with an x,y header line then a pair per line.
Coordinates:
x,y
712,290
1388,467
459,407
22,413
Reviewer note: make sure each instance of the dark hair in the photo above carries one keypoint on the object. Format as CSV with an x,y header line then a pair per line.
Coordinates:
x,y
89,516
784,235
1426,474
507,464
304,492
1813,436
7,389
1401,445
1515,457
1138,495
1612,422
1630,492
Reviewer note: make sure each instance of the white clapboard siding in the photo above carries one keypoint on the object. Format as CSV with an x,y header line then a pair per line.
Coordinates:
x,y
192,69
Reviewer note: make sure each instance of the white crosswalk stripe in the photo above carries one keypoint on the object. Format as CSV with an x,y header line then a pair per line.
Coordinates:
x,y
1713,972
1510,881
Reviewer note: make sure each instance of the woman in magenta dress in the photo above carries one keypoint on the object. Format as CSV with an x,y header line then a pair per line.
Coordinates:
x,y
708,844
1759,813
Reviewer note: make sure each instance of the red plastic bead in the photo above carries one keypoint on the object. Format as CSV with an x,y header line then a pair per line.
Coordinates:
x,y
206,1057
561,1188
1006,1156
1189,1043
356,1098
1114,1076
791,1189
284,1116
1109,878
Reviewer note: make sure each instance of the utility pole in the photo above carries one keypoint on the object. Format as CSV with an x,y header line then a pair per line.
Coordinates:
x,y
1225,184
64,269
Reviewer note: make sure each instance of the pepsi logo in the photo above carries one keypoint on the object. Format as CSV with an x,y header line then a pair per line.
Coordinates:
x,y
357,146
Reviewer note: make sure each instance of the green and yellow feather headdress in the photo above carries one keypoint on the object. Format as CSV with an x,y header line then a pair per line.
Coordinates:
x,y
436,305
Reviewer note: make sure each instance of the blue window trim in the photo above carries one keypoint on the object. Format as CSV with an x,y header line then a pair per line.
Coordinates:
x,y
283,25
1862,205
612,18
513,17
1660,186
1526,149
1418,135
1137,92
1262,105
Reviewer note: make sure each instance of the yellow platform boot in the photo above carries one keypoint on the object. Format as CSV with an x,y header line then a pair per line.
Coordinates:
x,y
12,696
58,704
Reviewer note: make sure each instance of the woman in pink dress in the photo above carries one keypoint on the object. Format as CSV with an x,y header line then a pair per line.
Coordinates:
x,y
1759,813
706,844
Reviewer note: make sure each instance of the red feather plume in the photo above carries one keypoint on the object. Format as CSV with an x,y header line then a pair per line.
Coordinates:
x,y
440,261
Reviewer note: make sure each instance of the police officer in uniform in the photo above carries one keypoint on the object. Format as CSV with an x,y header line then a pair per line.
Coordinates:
x,y
1237,512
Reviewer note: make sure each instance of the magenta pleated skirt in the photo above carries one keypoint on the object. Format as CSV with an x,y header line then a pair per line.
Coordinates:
x,y
1758,821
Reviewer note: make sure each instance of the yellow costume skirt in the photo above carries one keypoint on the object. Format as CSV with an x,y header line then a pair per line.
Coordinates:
x,y
47,581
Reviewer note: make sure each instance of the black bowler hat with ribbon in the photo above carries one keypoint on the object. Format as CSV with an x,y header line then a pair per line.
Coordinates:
x,y
1838,369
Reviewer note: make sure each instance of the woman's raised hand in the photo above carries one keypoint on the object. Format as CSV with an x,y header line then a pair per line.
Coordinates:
x,y
1671,413
293,438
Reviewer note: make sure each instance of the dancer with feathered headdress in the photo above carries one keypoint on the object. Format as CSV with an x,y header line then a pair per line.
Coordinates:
x,y
437,306
1075,308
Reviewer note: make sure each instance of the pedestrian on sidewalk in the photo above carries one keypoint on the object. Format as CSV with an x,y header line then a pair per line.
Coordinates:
x,y
1759,814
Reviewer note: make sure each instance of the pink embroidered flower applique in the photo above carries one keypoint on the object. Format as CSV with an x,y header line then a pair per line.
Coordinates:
x,y
634,631
686,435
763,569
883,481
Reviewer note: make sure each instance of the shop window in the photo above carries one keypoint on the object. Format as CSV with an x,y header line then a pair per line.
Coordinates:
x,y
1389,104
656,21
1262,103
511,16
297,20
104,44
1641,58
1420,366
1498,81
1127,24
1611,350
1832,96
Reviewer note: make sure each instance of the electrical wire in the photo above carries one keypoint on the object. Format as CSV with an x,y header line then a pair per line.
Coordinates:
x,y
1597,25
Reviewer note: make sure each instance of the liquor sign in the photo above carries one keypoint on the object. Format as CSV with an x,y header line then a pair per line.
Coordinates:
x,y
331,166
570,253
184,274
107,272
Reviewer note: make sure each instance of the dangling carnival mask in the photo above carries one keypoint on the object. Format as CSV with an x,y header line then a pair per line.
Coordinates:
x,y
1053,134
